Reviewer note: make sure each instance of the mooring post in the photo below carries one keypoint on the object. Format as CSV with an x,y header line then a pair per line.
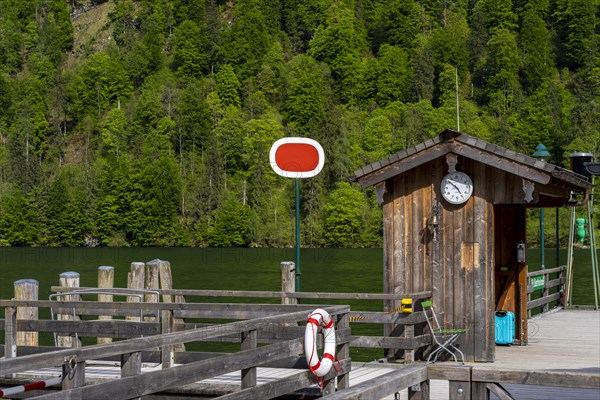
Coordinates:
x,y
288,281
106,280
152,282
26,289
70,280
135,280
166,282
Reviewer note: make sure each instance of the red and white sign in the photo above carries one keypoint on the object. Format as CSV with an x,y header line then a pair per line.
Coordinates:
x,y
295,157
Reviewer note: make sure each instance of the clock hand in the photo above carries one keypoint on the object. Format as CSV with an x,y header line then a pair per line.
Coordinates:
x,y
454,184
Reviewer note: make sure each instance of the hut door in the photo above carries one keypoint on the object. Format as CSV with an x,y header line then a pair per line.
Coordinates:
x,y
510,273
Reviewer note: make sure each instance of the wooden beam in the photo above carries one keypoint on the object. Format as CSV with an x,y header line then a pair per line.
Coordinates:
x,y
405,164
499,391
156,381
536,377
384,385
505,164
274,294
280,387
379,342
106,328
131,345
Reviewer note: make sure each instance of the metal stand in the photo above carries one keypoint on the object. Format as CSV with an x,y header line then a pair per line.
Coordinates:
x,y
593,255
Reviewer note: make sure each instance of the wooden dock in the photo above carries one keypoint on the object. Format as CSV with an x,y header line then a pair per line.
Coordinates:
x,y
141,350
565,349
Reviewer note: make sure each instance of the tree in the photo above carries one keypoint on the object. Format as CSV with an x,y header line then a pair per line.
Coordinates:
x,y
99,83
306,102
537,51
502,80
576,21
340,42
231,224
395,23
347,219
245,39
18,225
394,75
155,191
190,50
228,86
377,139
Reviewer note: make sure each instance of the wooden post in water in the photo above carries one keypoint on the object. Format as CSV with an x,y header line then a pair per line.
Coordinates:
x,y
27,289
135,280
152,282
166,282
106,280
288,281
71,280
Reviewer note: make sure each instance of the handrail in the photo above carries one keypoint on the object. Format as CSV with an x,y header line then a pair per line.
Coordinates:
x,y
546,297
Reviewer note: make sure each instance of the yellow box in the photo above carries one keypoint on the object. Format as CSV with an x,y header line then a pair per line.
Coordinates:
x,y
406,306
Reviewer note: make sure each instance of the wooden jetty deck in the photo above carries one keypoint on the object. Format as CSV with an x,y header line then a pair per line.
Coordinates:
x,y
148,359
567,342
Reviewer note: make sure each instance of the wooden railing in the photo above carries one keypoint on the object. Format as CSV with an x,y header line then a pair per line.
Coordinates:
x,y
273,324
465,382
549,283
406,343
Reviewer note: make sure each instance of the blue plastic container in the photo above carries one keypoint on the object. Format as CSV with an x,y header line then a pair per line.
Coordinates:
x,y
505,327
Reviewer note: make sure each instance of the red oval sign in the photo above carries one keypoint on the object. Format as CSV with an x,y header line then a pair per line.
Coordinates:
x,y
297,157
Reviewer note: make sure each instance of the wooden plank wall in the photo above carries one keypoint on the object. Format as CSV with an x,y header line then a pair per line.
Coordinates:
x,y
458,267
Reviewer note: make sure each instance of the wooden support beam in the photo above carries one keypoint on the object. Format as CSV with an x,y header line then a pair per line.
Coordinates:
x,y
167,351
248,375
115,349
10,332
499,391
156,381
343,352
131,364
384,385
73,373
280,387
536,377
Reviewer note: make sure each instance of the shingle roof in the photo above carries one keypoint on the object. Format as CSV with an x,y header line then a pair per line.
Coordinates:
x,y
450,141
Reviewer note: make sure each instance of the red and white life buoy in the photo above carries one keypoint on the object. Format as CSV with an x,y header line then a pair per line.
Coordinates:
x,y
315,319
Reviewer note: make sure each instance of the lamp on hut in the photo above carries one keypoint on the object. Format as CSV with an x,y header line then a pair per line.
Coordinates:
x,y
541,153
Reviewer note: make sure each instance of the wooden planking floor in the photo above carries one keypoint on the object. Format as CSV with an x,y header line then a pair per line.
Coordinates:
x,y
565,340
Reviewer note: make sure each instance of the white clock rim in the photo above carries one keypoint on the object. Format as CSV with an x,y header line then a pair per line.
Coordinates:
x,y
445,180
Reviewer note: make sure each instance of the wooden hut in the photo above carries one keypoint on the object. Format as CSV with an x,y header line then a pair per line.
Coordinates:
x,y
453,219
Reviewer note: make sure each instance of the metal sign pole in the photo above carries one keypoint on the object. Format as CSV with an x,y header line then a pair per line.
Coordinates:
x,y
298,235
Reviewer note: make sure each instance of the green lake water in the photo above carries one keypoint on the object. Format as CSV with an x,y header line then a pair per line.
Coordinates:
x,y
331,270
323,270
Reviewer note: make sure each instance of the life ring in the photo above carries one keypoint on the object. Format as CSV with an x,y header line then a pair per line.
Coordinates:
x,y
315,319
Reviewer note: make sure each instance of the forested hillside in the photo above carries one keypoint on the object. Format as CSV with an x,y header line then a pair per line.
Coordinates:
x,y
149,123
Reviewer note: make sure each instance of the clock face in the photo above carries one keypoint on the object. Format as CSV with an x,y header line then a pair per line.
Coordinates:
x,y
456,187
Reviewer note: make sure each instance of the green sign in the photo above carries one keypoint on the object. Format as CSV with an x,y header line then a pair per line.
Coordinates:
x,y
537,282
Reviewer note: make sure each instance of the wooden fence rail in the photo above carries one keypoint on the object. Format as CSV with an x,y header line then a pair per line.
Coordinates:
x,y
550,290
133,384
465,382
406,345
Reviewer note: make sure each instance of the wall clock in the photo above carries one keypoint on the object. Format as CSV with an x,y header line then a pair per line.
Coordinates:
x,y
456,187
